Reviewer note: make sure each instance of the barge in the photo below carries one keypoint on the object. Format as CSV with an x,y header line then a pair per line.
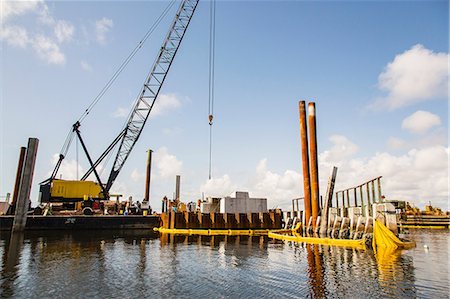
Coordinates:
x,y
83,222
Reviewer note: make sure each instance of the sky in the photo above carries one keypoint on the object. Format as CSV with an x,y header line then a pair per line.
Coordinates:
x,y
377,71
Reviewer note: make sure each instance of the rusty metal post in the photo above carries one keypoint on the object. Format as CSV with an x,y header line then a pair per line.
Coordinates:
x,y
293,208
327,204
305,161
379,189
356,199
368,193
361,195
343,199
348,198
177,188
148,175
298,210
373,190
337,200
315,200
369,202
23,150
26,181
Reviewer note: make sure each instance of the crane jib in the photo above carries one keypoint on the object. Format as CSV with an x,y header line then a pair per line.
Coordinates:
x,y
152,86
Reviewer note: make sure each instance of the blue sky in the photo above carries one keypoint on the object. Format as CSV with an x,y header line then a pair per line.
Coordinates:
x,y
377,71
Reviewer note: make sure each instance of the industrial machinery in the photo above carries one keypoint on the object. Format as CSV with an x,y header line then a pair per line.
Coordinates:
x,y
57,190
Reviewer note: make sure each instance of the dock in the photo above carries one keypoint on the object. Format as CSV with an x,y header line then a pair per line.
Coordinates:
x,y
432,221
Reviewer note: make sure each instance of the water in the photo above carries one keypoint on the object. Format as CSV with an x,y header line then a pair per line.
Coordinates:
x,y
137,264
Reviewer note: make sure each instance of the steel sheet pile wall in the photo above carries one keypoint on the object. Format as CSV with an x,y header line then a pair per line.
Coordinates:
x,y
270,220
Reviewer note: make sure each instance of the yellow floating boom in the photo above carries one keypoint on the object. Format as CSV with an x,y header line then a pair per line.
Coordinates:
x,y
214,232
294,237
384,238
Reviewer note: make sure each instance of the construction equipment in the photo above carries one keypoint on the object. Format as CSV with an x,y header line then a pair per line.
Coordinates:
x,y
53,190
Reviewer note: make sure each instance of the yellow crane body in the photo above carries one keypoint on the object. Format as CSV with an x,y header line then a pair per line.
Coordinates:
x,y
65,190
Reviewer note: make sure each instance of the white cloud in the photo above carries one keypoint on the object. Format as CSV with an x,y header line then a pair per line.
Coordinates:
x,y
16,8
45,16
85,66
102,27
14,35
172,131
165,103
279,189
48,50
431,158
68,168
341,149
121,112
218,187
395,143
420,122
415,75
51,32
419,175
137,176
167,165
64,31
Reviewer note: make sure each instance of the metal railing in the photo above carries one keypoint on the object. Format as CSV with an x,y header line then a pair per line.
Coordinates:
x,y
362,195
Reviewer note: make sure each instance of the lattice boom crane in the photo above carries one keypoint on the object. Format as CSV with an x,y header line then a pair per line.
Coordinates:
x,y
69,191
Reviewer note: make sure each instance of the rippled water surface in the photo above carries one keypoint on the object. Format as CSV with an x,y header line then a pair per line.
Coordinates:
x,y
138,264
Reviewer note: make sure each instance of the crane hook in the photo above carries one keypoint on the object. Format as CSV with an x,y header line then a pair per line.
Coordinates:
x,y
210,117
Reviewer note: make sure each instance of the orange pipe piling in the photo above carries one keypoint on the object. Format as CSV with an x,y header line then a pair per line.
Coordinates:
x,y
305,160
315,205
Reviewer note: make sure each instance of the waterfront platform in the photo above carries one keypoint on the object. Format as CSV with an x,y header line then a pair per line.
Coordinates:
x,y
426,221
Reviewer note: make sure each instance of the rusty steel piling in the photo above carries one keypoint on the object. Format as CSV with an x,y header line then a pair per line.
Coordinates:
x,y
26,180
148,175
23,151
177,187
305,161
327,204
314,169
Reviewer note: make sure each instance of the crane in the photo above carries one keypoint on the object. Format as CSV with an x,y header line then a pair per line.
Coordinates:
x,y
58,190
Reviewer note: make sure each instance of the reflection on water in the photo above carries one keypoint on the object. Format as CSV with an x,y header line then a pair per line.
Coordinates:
x,y
137,263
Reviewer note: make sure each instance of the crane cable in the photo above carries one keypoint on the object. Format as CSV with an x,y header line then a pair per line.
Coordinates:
x,y
212,44
70,135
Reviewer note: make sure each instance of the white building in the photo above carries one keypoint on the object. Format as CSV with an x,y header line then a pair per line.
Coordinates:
x,y
238,202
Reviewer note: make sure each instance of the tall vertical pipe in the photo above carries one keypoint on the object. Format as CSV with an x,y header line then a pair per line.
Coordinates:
x,y
177,188
23,150
315,200
148,175
305,160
